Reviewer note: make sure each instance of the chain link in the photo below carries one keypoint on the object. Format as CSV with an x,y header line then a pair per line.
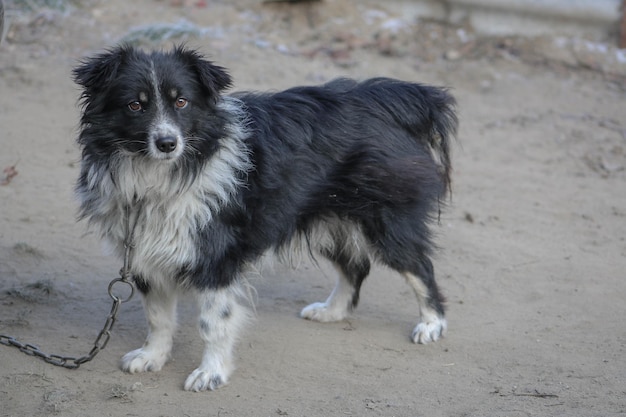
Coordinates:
x,y
70,362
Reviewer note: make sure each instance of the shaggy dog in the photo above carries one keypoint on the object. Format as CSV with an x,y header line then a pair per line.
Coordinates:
x,y
212,182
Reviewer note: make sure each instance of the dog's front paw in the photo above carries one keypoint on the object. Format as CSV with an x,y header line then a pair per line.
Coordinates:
x,y
144,360
430,330
323,312
202,380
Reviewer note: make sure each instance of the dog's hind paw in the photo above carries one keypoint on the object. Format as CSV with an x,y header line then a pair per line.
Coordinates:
x,y
430,330
200,380
143,360
323,312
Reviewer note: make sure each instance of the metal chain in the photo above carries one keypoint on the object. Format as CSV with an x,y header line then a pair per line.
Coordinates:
x,y
100,343
70,362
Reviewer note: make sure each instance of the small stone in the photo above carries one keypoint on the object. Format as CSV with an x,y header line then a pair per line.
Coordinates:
x,y
452,55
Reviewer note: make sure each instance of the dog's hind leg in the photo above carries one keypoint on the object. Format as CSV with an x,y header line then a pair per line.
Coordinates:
x,y
220,319
353,265
160,310
431,325
404,245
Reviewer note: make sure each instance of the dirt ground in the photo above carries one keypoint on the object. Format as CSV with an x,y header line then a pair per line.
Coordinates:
x,y
533,249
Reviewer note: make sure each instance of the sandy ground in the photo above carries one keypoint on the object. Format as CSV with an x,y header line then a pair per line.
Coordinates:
x,y
533,254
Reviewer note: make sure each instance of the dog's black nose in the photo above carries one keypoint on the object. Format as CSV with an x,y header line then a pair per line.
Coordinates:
x,y
166,144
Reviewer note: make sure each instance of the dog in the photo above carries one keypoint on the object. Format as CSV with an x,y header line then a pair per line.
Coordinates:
x,y
212,182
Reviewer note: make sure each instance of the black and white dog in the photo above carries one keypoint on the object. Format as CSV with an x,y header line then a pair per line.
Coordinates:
x,y
355,170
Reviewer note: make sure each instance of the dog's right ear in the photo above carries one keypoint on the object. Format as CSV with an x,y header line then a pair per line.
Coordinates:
x,y
96,73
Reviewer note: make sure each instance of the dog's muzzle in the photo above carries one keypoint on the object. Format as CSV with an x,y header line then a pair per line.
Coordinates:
x,y
165,141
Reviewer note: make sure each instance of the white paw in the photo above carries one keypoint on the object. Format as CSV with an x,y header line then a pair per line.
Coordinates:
x,y
203,380
144,360
322,312
430,330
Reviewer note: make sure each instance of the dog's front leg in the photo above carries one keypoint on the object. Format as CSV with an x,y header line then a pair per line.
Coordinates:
x,y
220,319
160,309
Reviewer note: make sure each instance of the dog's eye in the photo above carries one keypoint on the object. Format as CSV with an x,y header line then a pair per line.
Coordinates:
x,y
135,106
181,102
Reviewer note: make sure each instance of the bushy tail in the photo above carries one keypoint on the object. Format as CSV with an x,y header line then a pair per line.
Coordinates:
x,y
428,113
444,128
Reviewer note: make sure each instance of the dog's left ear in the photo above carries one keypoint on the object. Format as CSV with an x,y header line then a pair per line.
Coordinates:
x,y
213,78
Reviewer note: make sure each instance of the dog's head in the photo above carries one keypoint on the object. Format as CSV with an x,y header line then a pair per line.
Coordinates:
x,y
160,105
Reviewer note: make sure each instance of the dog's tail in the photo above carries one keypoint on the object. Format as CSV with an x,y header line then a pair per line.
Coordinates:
x,y
443,123
428,113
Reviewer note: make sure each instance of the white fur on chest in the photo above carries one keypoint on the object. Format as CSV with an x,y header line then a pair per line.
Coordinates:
x,y
166,214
